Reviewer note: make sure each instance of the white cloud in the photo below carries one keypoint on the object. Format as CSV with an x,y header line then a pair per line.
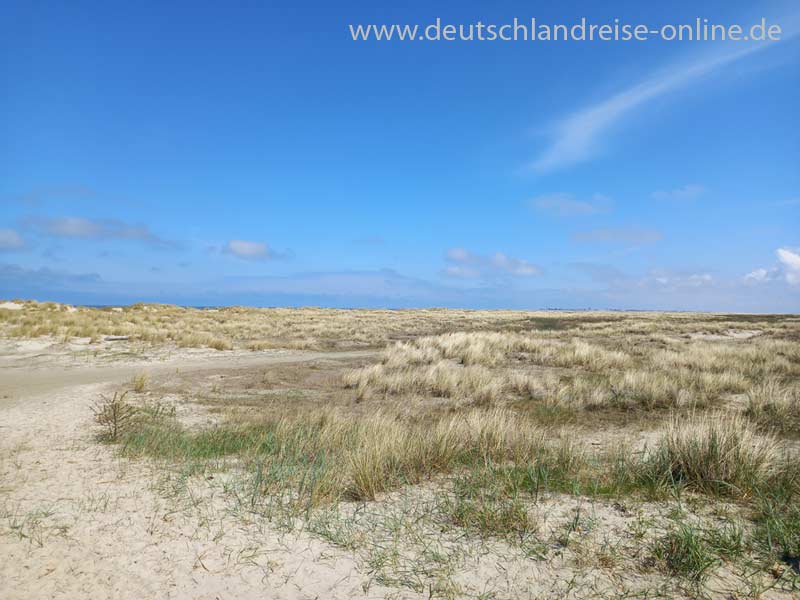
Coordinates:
x,y
470,265
566,205
248,250
515,266
788,268
790,261
757,276
687,192
99,229
579,136
10,240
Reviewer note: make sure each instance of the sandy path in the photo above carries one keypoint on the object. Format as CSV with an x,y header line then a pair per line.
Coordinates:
x,y
78,522
17,382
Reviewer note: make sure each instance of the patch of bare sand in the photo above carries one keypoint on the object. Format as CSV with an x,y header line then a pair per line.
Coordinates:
x,y
83,351
22,375
77,522
730,334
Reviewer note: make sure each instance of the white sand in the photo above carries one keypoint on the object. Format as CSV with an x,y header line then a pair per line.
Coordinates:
x,y
730,334
77,522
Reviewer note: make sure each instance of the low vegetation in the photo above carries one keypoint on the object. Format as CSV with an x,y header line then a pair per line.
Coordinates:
x,y
139,382
561,373
775,406
595,444
113,415
493,469
719,453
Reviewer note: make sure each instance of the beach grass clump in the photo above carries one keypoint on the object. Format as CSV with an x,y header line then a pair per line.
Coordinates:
x,y
350,458
774,406
684,552
717,453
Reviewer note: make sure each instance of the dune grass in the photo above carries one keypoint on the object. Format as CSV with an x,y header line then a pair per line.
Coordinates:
x,y
583,336
333,456
560,373
494,415
138,382
685,552
775,406
490,469
715,453
342,457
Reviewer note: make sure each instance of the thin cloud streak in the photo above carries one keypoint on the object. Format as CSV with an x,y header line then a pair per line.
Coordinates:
x,y
248,250
99,229
578,137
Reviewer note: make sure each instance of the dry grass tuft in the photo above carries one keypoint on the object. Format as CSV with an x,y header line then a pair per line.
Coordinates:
x,y
357,458
719,453
774,406
139,382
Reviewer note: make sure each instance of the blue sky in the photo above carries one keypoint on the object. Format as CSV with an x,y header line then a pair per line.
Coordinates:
x,y
204,153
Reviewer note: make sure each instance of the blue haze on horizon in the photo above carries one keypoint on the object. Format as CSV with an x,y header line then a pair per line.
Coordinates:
x,y
206,153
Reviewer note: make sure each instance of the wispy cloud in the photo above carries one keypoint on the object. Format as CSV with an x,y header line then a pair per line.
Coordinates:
x,y
469,265
99,229
757,276
251,250
687,192
677,280
566,205
75,227
629,235
44,279
462,272
760,276
579,136
10,240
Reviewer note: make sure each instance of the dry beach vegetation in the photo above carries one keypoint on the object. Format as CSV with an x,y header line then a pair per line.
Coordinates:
x,y
420,453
